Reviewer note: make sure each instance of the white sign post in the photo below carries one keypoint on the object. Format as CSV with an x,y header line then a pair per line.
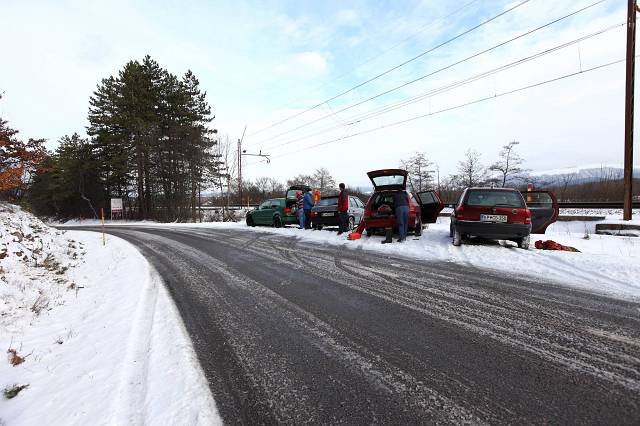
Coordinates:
x,y
116,207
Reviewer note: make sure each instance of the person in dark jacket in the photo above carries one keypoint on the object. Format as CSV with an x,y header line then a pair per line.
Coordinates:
x,y
401,203
308,205
300,209
343,207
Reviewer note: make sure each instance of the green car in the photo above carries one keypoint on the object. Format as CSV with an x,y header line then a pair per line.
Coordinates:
x,y
273,212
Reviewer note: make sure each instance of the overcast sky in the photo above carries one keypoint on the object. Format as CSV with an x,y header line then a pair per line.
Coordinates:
x,y
263,61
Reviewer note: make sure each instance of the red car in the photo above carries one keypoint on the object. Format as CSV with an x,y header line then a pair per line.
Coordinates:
x,y
424,207
502,214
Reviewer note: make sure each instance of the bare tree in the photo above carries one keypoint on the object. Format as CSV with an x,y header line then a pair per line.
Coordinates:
x,y
471,172
420,171
300,180
509,164
323,180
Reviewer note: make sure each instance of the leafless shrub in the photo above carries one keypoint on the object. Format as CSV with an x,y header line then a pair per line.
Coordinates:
x,y
13,390
41,302
14,358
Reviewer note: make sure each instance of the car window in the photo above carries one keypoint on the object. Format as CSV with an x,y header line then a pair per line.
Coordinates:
x,y
538,198
494,198
388,180
265,204
331,201
413,200
275,204
427,198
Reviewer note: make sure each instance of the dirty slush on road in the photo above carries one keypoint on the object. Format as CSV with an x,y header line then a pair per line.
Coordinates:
x,y
295,333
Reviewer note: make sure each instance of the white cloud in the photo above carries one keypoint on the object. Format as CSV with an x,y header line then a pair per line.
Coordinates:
x,y
305,65
347,17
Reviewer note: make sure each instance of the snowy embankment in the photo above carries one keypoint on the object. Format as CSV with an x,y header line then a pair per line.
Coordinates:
x,y
94,335
606,264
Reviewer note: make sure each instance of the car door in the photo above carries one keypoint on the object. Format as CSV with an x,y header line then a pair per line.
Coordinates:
x,y
276,207
264,213
544,209
430,206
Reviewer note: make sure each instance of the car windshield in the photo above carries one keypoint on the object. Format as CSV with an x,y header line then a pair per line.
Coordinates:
x,y
332,201
388,180
495,198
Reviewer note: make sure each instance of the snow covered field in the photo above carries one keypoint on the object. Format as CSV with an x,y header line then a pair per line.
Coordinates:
x,y
606,264
93,333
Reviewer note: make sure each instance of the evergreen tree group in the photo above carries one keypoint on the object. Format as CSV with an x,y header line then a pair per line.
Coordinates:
x,y
149,145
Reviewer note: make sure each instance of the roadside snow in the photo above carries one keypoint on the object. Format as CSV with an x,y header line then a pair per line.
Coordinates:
x,y
108,348
607,264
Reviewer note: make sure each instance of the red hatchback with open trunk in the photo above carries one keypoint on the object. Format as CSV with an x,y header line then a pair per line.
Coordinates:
x,y
379,213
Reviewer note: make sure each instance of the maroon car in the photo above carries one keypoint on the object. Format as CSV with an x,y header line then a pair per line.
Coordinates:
x,y
379,213
502,214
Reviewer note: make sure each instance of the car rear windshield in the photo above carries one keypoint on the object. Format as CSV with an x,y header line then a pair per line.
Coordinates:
x,y
495,198
388,180
333,201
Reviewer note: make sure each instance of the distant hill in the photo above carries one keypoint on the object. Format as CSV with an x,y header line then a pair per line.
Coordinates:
x,y
581,175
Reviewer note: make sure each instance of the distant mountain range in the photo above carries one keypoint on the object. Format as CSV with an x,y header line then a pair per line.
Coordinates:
x,y
584,174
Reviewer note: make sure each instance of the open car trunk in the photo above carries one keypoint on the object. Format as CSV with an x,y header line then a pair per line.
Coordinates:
x,y
388,179
544,209
380,200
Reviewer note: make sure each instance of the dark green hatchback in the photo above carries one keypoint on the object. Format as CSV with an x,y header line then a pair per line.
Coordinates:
x,y
272,212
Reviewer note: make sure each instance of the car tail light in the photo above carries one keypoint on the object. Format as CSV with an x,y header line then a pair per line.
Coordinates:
x,y
314,214
459,212
527,216
287,211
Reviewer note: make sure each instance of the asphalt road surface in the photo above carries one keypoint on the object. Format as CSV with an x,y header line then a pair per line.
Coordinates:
x,y
296,333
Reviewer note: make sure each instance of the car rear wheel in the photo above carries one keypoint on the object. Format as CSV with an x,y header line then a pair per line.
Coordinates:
x,y
370,231
523,242
250,221
277,222
457,238
352,223
450,231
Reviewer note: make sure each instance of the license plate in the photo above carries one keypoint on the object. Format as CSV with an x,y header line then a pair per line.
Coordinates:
x,y
493,218
327,214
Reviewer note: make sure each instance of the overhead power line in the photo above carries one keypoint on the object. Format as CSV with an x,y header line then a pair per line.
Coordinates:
x,y
426,52
445,88
379,54
476,101
415,80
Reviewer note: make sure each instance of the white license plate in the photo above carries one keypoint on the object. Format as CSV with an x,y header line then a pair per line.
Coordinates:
x,y
493,218
327,214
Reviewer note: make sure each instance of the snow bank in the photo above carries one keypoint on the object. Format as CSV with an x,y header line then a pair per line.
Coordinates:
x,y
109,349
607,264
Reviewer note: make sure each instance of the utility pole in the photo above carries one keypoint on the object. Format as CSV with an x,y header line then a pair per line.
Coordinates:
x,y
628,115
240,169
242,152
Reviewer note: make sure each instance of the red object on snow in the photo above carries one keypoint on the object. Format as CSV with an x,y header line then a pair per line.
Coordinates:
x,y
354,236
552,245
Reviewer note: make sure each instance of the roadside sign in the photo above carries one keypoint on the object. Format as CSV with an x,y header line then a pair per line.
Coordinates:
x,y
116,205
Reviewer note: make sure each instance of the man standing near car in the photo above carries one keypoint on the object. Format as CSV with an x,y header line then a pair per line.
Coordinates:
x,y
401,203
307,204
343,207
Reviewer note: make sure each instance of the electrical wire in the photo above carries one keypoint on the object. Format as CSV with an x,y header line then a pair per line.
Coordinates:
x,y
448,87
468,58
444,43
476,101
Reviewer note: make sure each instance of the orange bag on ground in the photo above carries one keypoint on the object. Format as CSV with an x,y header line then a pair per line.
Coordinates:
x,y
552,245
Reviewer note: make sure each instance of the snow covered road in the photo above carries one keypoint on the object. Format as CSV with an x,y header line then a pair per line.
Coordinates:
x,y
293,332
